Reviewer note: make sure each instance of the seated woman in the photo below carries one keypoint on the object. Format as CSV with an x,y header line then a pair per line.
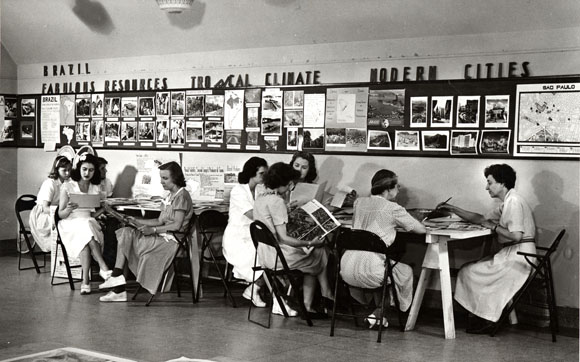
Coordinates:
x,y
148,249
79,231
106,185
271,209
237,244
40,220
484,288
380,214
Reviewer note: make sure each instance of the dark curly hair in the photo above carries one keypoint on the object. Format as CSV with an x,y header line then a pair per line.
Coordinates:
x,y
250,169
175,171
383,180
280,174
59,161
502,174
75,173
312,174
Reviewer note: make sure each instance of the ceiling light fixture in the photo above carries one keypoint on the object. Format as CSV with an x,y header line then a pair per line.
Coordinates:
x,y
175,6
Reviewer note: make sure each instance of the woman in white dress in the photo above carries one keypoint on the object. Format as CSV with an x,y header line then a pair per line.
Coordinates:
x,y
40,219
80,232
237,244
485,287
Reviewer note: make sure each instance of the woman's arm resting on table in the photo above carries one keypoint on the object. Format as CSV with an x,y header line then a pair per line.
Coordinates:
x,y
284,238
472,217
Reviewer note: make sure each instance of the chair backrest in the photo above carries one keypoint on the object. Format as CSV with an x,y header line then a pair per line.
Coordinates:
x,y
212,221
356,239
261,234
188,230
555,243
24,203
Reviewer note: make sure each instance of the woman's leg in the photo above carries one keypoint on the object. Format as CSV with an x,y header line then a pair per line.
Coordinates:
x,y
325,288
86,264
97,254
309,287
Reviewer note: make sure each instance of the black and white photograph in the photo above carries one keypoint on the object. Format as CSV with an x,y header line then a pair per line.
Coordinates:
x,y
252,138
252,118
162,136
292,139
194,132
379,140
129,107
83,131
271,143
418,111
293,118
7,131
129,131
468,111
313,138
435,140
28,107
464,142
112,107
83,105
233,137
496,111
271,126
407,140
214,105
213,132
386,105
271,104
177,104
194,105
146,131
162,103
495,142
146,106
97,130
26,129
112,131
177,132
253,96
336,137
441,111
356,138
10,107
293,100
97,105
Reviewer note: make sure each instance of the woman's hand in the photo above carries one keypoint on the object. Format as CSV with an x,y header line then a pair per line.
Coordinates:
x,y
71,206
488,224
316,242
292,205
148,230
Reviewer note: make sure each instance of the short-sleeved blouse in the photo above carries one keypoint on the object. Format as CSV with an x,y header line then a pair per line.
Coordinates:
x,y
180,201
515,215
49,191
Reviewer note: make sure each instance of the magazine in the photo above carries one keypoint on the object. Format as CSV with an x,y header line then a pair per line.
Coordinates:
x,y
311,221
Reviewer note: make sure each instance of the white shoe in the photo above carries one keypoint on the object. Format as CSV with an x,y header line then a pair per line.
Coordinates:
x,y
85,289
105,274
255,298
114,297
113,282
277,310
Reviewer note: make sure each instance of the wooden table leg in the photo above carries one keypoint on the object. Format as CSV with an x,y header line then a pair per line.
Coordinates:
x,y
446,298
418,299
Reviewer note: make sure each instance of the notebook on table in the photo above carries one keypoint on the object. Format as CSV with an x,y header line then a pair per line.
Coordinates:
x,y
85,201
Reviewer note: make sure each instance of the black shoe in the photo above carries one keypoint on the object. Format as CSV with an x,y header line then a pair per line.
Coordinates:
x,y
477,325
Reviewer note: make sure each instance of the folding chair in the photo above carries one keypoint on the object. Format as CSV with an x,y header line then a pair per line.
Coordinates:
x,y
60,245
211,223
542,271
367,241
261,234
183,251
27,203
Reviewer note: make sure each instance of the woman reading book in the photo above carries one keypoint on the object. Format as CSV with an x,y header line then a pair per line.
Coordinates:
x,y
147,246
270,208
79,231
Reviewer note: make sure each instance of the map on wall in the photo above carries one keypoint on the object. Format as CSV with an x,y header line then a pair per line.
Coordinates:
x,y
548,120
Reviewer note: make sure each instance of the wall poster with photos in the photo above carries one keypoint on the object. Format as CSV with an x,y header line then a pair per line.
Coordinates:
x,y
497,118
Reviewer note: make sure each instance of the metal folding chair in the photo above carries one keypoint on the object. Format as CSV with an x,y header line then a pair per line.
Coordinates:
x,y
261,234
367,241
541,271
26,203
60,245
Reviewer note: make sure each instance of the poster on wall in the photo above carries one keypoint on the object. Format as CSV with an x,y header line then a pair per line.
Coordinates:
x,y
496,111
51,114
547,120
147,178
314,110
234,110
209,182
346,112
386,107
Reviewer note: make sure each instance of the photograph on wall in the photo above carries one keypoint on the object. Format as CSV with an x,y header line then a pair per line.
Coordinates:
x,y
292,139
435,140
407,140
129,131
252,119
271,126
253,97
97,130
418,111
495,142
67,110
386,106
146,106
163,131
335,138
27,129
194,105
214,105
464,142
233,137
271,143
293,118
252,138
347,107
313,138
314,109
194,132
28,107
356,139
379,140
178,103
496,111
234,110
7,131
129,107
146,131
547,121
294,99
162,103
83,131
97,105
214,132
11,107
441,111
177,132
272,107
83,105
113,107
468,111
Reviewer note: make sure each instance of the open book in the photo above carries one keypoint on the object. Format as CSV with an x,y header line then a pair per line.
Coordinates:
x,y
310,221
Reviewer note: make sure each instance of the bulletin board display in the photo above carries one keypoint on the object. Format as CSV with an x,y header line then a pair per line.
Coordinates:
x,y
19,120
503,118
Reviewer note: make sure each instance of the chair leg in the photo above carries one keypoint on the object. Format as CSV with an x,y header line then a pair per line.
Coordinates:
x,y
400,314
222,277
201,262
190,267
68,271
30,252
267,278
551,301
333,318
137,292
